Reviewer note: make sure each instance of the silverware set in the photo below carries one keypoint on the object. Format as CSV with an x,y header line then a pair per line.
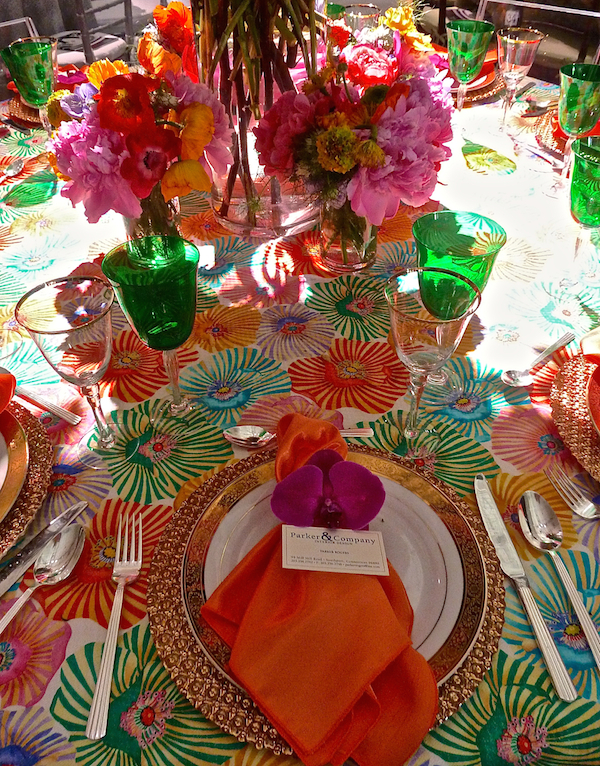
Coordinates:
x,y
542,529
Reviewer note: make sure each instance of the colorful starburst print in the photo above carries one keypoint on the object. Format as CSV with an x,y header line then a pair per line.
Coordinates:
x,y
27,737
354,305
544,376
155,454
72,482
308,260
473,401
225,327
17,144
451,457
367,376
149,720
232,380
229,254
32,648
136,372
202,227
392,256
285,255
554,310
268,411
515,713
51,220
89,592
256,287
287,332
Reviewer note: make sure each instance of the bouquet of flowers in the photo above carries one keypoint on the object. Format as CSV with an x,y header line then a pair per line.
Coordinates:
x,y
133,143
365,135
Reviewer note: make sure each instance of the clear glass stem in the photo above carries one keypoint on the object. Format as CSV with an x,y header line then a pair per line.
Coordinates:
x,y
106,436
179,404
564,174
416,387
508,102
43,112
460,96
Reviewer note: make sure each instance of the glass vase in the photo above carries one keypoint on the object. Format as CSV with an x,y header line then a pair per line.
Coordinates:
x,y
158,217
348,241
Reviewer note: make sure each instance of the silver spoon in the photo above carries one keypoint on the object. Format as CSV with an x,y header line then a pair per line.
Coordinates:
x,y
45,404
255,437
54,564
542,529
13,169
524,377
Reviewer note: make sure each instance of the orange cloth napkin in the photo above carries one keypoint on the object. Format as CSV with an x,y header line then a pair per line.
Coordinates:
x,y
7,389
299,437
327,657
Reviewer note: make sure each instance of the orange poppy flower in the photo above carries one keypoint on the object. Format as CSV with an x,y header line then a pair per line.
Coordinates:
x,y
182,177
198,129
102,70
175,24
124,104
155,59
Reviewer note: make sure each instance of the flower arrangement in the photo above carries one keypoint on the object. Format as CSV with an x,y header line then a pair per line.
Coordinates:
x,y
134,142
366,134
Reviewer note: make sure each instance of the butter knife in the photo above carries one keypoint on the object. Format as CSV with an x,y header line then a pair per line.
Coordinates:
x,y
15,566
512,566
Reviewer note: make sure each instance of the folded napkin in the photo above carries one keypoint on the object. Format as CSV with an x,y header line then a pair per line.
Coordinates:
x,y
299,437
327,657
7,389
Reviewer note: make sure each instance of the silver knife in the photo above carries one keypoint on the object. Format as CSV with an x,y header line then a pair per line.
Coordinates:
x,y
19,563
512,566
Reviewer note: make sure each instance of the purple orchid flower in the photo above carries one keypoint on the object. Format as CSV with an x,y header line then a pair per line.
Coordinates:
x,y
79,103
328,492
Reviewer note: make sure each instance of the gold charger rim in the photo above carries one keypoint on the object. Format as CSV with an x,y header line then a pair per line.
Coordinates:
x,y
37,480
18,461
227,705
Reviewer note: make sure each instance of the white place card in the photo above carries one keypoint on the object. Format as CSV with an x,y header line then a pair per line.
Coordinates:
x,y
333,550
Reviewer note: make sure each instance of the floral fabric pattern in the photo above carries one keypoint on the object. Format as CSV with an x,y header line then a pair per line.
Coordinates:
x,y
27,736
287,332
221,327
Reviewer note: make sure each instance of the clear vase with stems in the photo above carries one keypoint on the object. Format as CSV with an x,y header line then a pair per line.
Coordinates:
x,y
348,241
158,217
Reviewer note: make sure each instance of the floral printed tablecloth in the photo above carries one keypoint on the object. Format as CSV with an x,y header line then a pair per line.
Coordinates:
x,y
275,334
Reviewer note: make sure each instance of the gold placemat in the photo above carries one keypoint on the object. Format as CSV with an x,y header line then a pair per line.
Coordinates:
x,y
208,689
568,399
544,131
493,88
35,487
23,114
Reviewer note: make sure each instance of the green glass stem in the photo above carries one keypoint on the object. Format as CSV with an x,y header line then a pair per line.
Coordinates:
x,y
106,436
416,388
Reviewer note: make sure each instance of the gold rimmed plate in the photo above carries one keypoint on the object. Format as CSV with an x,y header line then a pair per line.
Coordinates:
x,y
14,459
428,530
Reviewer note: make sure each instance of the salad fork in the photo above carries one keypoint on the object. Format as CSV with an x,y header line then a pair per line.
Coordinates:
x,y
126,569
573,496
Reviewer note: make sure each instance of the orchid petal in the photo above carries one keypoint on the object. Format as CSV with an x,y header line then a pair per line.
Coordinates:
x,y
297,498
359,494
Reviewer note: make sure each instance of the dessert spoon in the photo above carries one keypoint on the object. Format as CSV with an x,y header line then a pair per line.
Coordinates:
x,y
542,529
13,169
255,437
524,377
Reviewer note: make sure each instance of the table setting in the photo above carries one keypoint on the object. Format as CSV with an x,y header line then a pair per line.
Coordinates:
x,y
301,469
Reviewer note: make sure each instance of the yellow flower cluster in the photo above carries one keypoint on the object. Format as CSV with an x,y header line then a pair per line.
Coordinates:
x,y
403,20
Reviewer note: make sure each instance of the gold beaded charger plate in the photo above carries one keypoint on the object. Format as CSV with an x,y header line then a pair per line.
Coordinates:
x,y
202,541
570,412
544,132
14,458
37,479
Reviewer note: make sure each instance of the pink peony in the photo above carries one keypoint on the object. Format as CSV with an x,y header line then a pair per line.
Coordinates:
x,y
91,157
368,65
292,115
217,152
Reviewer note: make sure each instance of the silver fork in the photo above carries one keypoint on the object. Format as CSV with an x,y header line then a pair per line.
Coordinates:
x,y
126,569
573,496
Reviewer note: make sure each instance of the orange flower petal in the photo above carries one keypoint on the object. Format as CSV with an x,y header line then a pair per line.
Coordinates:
x,y
182,177
103,69
198,130
155,59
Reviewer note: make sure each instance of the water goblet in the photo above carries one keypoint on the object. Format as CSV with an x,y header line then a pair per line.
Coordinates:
x,y
517,47
32,63
468,42
578,106
463,242
155,282
585,203
429,312
69,320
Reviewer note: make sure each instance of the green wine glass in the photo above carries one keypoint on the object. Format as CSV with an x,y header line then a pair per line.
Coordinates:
x,y
578,105
468,42
154,279
585,203
466,243
32,63
429,312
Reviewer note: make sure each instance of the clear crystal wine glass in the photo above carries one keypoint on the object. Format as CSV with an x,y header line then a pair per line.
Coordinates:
x,y
69,320
517,47
429,312
468,42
